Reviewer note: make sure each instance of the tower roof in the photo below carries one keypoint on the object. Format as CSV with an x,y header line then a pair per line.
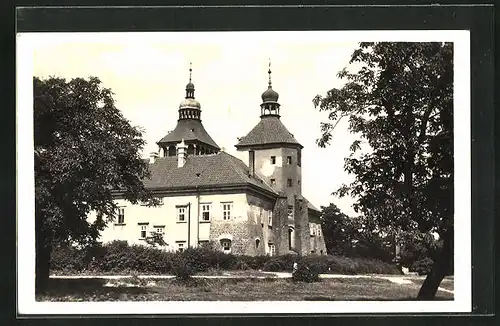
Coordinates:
x,y
189,126
189,130
269,130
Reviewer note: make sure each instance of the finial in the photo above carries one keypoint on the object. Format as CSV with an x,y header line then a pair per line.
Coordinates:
x,y
269,72
190,71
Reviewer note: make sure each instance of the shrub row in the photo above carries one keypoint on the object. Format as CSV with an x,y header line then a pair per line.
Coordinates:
x,y
118,257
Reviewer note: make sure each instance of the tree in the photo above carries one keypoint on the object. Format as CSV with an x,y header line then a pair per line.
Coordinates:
x,y
399,101
85,151
336,229
354,236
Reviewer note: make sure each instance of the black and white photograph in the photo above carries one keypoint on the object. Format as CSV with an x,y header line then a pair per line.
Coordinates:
x,y
244,172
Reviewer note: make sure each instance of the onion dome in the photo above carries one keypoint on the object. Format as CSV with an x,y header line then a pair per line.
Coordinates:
x,y
189,103
270,95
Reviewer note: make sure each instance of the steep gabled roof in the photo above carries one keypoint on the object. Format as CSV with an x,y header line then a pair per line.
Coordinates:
x,y
216,170
269,130
311,206
189,130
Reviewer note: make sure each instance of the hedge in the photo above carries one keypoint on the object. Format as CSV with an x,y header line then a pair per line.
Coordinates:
x,y
118,257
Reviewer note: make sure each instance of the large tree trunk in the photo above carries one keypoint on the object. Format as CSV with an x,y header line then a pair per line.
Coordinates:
x,y
442,266
42,257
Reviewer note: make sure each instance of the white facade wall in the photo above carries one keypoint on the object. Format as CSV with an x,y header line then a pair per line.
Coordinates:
x,y
166,216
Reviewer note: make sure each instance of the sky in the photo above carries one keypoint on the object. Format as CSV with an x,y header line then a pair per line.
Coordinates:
x,y
148,76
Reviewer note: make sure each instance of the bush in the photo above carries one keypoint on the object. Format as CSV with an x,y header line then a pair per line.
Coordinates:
x,y
182,268
241,264
118,257
272,266
306,272
68,259
422,266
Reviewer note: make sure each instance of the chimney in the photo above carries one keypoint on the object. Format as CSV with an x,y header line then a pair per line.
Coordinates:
x,y
181,154
152,157
251,163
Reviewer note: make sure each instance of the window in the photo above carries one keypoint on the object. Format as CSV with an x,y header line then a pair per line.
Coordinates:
x,y
289,182
203,243
288,160
205,212
290,233
273,159
312,229
160,230
298,182
273,182
272,249
180,245
257,242
121,215
270,222
226,245
143,230
299,157
181,213
226,210
318,231
290,211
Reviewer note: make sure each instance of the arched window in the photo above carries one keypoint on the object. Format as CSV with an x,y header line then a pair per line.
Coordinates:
x,y
190,150
257,242
171,151
226,245
290,238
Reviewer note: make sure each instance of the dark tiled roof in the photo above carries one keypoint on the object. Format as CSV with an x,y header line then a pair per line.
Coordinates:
x,y
270,130
214,170
189,130
311,206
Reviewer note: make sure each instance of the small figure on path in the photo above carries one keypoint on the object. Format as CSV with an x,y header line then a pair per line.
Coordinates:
x,y
295,266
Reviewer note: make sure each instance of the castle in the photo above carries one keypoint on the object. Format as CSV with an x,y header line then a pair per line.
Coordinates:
x,y
207,195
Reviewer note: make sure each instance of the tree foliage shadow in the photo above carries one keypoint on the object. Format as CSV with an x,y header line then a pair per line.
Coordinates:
x,y
87,288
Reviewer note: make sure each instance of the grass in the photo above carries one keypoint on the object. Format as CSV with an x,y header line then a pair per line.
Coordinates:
x,y
447,283
238,289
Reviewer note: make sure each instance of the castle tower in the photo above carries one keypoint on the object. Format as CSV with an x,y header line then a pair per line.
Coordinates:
x,y
275,154
189,128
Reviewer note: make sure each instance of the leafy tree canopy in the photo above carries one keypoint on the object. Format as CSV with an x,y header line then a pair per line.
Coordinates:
x,y
400,103
84,151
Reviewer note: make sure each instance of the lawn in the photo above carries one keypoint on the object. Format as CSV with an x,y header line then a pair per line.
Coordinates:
x,y
446,283
238,289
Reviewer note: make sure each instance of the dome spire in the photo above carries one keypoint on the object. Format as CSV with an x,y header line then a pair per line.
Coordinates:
x,y
190,71
269,72
189,107
190,85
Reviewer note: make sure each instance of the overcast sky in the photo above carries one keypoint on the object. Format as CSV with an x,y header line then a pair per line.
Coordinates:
x,y
148,73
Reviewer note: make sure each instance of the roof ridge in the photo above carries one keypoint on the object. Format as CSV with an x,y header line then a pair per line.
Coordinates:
x,y
228,158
